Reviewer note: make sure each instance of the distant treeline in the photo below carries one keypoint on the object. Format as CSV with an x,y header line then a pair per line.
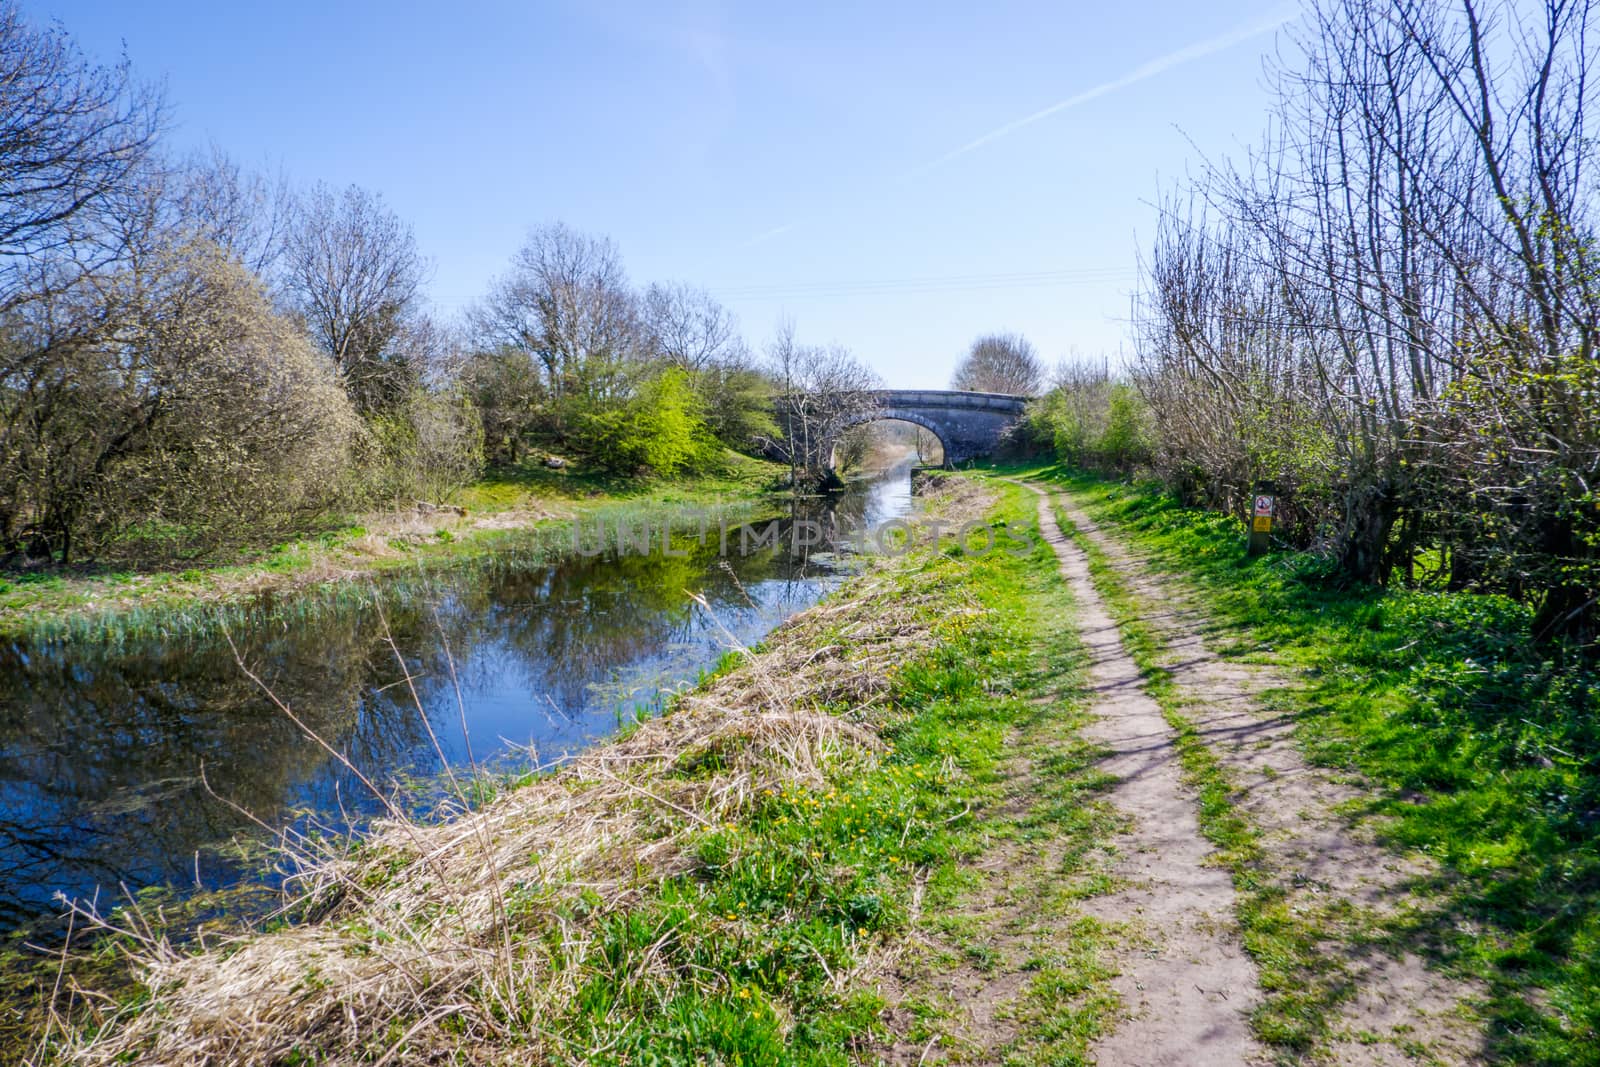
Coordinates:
x,y
1389,309
194,357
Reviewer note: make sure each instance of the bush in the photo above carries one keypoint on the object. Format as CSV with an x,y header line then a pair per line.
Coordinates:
x,y
208,421
1090,420
662,429
430,447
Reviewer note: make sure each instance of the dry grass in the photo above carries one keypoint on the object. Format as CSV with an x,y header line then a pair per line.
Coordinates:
x,y
452,942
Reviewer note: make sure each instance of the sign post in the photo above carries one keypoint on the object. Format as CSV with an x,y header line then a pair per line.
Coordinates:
x,y
1264,507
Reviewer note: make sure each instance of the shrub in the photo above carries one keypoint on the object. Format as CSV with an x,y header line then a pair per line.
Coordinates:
x,y
430,447
661,428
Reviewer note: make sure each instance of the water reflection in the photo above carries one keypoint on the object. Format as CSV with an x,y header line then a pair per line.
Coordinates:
x,y
102,747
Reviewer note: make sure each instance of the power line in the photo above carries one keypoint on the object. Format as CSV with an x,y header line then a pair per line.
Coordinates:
x,y
937,284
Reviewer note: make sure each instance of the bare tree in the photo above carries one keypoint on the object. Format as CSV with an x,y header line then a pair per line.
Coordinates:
x,y
353,273
823,392
1000,363
73,135
688,328
245,213
566,305
1393,310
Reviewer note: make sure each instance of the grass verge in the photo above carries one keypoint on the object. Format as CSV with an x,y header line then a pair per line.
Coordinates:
x,y
1006,965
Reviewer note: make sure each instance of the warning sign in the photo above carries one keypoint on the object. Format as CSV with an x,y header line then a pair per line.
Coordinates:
x,y
1263,506
1262,524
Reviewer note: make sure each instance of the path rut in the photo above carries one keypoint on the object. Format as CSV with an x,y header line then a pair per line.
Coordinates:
x,y
1184,977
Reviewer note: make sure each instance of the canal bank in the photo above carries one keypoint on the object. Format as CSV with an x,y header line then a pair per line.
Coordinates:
x,y
515,510
143,762
739,877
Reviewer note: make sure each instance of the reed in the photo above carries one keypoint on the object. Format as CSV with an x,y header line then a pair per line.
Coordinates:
x,y
238,599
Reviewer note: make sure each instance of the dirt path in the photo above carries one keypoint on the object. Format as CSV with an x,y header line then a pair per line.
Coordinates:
x,y
1186,982
1092,923
1388,1006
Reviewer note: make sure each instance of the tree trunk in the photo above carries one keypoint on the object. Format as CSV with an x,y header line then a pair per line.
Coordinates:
x,y
1369,514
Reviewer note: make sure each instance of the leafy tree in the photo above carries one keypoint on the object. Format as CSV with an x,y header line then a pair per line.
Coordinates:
x,y
566,306
424,449
508,392
737,401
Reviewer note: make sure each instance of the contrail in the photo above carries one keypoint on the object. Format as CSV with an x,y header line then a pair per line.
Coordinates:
x,y
1150,69
1240,33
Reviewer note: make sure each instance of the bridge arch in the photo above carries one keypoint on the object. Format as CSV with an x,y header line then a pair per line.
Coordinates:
x,y
896,415
968,425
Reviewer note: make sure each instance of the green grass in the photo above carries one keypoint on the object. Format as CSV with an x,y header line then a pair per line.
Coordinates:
x,y
507,487
1483,749
1049,809
785,901
793,896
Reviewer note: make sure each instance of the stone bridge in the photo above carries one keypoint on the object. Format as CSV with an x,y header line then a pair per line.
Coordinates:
x,y
968,425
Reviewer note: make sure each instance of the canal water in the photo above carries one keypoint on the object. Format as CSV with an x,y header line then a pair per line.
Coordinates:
x,y
134,763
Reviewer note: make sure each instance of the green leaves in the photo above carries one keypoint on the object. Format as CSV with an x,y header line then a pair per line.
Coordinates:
x,y
662,428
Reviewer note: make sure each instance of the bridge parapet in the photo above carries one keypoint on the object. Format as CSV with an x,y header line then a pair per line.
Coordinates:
x,y
952,398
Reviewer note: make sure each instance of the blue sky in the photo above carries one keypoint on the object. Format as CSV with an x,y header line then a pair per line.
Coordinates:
x,y
821,161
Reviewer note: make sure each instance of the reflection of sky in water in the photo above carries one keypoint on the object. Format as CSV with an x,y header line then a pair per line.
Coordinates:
x,y
514,702
102,747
